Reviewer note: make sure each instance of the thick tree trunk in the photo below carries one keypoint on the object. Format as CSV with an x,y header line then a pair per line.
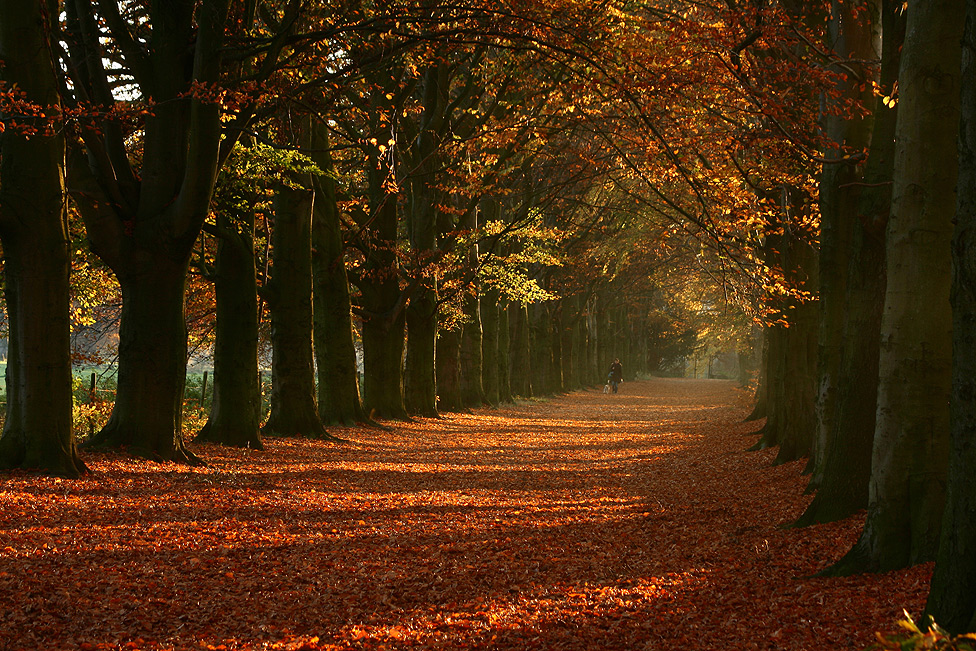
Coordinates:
x,y
604,343
235,416
852,41
910,453
143,222
383,348
420,380
472,391
567,345
293,408
147,418
420,386
502,359
799,397
761,408
540,337
489,346
594,373
776,382
449,371
519,361
792,373
952,599
384,320
339,401
33,229
842,479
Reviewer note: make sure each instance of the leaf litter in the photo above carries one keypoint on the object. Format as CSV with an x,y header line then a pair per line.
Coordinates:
x,y
588,521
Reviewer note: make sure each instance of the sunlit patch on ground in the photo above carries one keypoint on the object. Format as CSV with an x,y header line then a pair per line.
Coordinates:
x,y
589,521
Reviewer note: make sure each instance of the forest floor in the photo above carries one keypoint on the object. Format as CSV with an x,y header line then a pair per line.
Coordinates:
x,y
589,521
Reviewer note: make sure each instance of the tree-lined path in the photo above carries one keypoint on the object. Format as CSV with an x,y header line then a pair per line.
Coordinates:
x,y
630,521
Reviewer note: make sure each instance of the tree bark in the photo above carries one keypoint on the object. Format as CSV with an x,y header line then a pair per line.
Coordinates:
x,y
791,372
384,321
293,408
420,381
37,432
339,400
502,360
235,415
852,40
147,418
472,390
449,371
910,453
540,338
143,223
519,361
489,346
952,598
841,481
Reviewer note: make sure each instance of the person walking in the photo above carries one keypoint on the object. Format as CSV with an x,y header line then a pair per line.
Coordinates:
x,y
616,374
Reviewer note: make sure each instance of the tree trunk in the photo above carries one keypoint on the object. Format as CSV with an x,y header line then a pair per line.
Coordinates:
x,y
293,408
519,361
910,453
852,40
33,229
502,359
952,598
147,418
420,380
791,373
449,371
489,346
143,222
761,408
557,355
540,338
567,344
339,401
594,373
842,479
384,321
235,415
604,355
472,390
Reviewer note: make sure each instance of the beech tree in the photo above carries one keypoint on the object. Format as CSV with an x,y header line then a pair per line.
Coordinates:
x,y
339,399
911,443
847,408
293,407
952,598
34,233
235,417
143,215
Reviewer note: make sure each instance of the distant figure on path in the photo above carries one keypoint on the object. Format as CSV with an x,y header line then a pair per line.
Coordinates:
x,y
616,374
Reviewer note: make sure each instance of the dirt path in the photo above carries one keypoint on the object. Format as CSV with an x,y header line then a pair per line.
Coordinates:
x,y
633,521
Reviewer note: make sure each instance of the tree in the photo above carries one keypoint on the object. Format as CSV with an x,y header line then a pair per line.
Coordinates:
x,y
34,233
952,599
235,415
847,429
293,408
339,400
143,214
910,451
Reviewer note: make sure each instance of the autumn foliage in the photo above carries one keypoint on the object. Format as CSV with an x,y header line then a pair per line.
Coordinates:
x,y
629,521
